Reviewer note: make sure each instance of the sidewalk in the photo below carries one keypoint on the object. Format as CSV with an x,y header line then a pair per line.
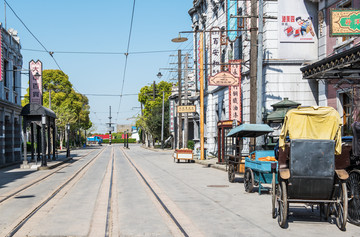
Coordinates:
x,y
211,162
60,158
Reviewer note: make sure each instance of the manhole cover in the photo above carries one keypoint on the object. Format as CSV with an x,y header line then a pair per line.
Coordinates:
x,y
218,186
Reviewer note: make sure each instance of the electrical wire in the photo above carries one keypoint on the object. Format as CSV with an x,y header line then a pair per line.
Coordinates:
x,y
104,53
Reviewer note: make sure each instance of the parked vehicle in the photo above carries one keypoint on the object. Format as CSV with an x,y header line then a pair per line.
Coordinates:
x,y
307,171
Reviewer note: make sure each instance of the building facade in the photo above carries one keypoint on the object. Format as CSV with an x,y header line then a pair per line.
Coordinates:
x,y
10,97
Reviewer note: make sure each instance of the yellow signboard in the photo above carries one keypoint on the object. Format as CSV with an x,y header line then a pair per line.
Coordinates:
x,y
186,109
344,22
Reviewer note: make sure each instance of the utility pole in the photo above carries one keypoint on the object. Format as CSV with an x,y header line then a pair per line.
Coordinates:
x,y
201,77
179,88
259,85
162,123
253,66
110,125
186,125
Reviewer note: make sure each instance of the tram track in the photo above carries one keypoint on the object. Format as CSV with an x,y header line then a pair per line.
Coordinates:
x,y
16,227
28,185
180,221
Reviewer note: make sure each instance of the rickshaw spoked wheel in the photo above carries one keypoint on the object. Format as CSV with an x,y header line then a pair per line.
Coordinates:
x,y
282,205
341,206
231,173
273,195
249,180
353,187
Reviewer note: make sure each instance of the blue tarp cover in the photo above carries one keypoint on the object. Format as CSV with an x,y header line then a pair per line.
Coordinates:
x,y
250,130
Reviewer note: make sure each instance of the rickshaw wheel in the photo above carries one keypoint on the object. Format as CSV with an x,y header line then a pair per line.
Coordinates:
x,y
283,205
353,186
341,206
249,180
273,195
231,173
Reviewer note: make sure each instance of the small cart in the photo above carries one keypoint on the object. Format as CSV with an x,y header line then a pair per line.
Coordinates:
x,y
252,169
183,154
260,168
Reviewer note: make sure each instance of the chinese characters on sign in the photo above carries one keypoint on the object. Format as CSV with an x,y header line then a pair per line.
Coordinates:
x,y
235,91
223,79
35,83
215,51
172,115
344,22
186,109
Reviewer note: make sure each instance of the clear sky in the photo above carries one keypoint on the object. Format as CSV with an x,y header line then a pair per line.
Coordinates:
x,y
102,26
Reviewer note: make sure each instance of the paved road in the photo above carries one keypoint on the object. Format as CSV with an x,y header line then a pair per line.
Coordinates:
x,y
111,191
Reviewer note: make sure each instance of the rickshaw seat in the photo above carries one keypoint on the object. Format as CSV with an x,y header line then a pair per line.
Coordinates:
x,y
284,173
342,174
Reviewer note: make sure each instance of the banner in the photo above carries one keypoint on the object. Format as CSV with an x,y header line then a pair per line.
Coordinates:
x,y
295,23
1,72
35,82
235,91
172,113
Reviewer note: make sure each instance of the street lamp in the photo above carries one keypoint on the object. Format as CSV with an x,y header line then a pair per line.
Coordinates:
x,y
179,39
67,142
159,75
43,157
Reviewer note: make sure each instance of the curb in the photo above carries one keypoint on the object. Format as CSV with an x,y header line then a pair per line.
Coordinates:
x,y
215,166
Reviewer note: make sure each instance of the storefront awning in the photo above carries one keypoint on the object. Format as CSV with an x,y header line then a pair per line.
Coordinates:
x,y
344,65
250,130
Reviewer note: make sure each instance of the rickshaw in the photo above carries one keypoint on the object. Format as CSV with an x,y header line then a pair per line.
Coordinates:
x,y
257,167
306,164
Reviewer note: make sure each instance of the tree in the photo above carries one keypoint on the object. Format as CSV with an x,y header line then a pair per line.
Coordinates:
x,y
69,106
150,121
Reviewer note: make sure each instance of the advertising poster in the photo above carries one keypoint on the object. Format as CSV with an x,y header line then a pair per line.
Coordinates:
x,y
344,22
215,51
295,23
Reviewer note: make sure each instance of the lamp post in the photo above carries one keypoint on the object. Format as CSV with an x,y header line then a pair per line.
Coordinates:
x,y
159,75
67,142
43,157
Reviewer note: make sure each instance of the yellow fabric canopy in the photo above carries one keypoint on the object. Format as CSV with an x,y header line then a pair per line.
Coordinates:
x,y
312,123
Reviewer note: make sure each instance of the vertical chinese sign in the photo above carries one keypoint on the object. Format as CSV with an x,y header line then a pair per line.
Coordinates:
x,y
1,73
172,113
235,91
215,51
231,22
35,82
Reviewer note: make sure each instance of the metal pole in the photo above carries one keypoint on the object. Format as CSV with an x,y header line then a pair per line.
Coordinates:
x,y
110,125
49,99
201,68
67,142
43,147
179,88
127,139
186,125
253,66
162,122
259,104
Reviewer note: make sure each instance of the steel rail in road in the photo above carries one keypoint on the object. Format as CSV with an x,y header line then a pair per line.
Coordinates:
x,y
185,231
51,196
30,184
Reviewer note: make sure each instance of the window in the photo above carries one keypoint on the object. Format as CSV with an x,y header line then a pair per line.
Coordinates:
x,y
346,104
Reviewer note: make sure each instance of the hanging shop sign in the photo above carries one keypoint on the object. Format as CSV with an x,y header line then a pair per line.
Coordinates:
x,y
186,109
215,50
235,91
172,116
231,23
295,23
344,22
223,79
35,82
1,72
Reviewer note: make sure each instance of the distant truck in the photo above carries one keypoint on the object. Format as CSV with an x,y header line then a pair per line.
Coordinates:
x,y
94,140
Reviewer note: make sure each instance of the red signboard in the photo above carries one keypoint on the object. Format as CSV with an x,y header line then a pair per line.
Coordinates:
x,y
235,91
35,82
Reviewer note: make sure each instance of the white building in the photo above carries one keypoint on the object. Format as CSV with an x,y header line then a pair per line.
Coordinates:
x,y
286,46
10,101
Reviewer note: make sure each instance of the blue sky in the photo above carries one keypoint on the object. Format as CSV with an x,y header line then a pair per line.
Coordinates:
x,y
102,26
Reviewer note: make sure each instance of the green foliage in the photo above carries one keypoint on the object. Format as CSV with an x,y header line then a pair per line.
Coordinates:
x,y
68,105
150,121
191,144
131,140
